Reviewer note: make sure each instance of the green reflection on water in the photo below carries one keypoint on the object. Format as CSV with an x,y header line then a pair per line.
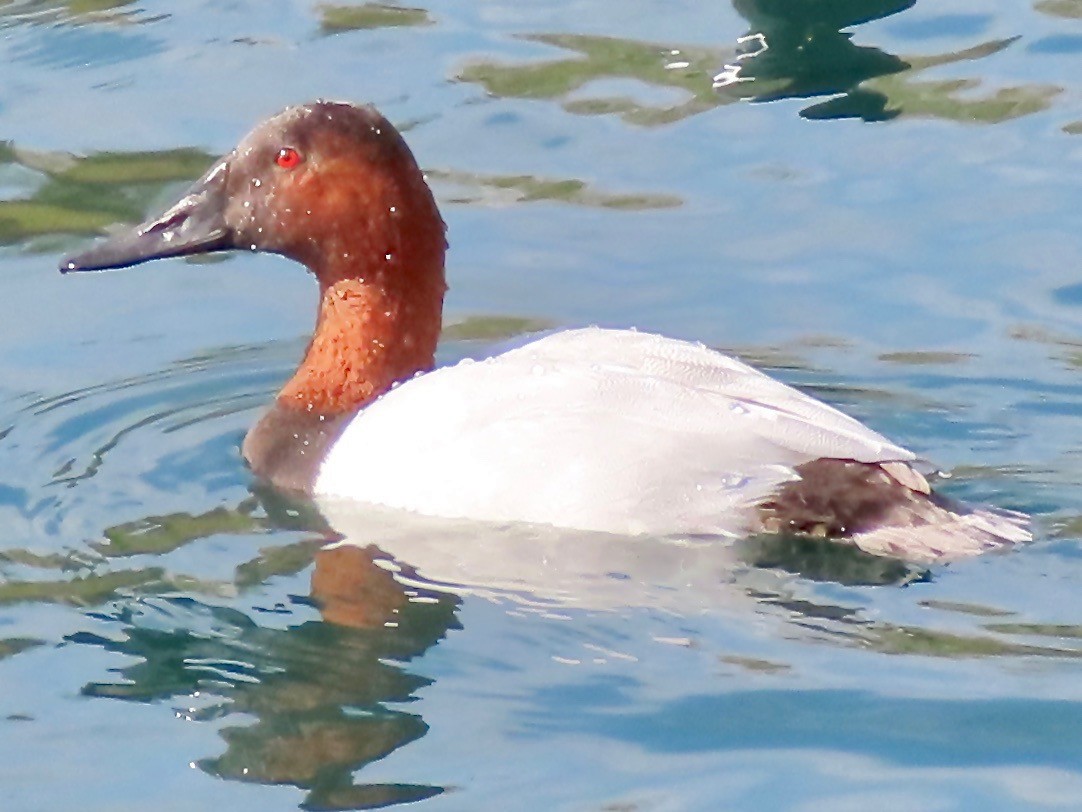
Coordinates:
x,y
137,167
288,559
607,58
793,50
954,99
83,590
319,692
973,609
23,219
16,645
1070,9
1038,629
492,328
321,699
336,18
528,189
53,561
801,50
821,559
85,195
162,534
1070,527
66,11
891,639
925,357
1065,348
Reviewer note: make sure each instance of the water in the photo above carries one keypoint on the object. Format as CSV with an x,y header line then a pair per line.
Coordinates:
x,y
880,206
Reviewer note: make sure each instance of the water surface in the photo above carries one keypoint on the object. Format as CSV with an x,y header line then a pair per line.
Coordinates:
x,y
876,201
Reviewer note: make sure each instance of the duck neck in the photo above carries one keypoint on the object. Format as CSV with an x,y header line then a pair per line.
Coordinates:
x,y
372,331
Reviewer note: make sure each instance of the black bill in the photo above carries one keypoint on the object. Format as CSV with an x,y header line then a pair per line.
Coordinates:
x,y
195,225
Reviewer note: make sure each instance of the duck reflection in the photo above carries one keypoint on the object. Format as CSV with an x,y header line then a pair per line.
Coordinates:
x,y
322,699
323,712
543,566
325,695
319,692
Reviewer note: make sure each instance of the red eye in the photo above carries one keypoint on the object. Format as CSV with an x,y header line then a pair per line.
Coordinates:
x,y
287,158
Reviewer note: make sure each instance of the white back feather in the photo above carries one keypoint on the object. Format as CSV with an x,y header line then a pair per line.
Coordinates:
x,y
608,430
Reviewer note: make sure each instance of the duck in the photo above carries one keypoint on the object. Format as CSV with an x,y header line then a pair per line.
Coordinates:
x,y
609,431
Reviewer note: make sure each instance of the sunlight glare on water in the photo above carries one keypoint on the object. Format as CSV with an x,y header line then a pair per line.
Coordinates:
x,y
876,202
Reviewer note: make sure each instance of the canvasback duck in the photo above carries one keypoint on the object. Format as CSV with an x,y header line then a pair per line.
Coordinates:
x,y
604,430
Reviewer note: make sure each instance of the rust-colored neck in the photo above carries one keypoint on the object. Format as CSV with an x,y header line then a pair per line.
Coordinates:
x,y
373,330
375,327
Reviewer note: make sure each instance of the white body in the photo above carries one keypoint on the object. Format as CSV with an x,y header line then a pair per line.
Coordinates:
x,y
605,430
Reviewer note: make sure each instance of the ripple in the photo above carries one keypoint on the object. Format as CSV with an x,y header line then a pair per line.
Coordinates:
x,y
83,47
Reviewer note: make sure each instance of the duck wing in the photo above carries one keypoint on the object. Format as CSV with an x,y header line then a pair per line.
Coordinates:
x,y
609,430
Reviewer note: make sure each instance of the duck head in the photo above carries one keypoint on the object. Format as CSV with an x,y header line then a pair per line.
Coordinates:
x,y
328,184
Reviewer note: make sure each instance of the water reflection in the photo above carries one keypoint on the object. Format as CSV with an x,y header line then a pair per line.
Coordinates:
x,y
803,50
54,194
319,692
578,82
1067,9
471,187
799,50
58,193
65,12
792,50
336,18
320,699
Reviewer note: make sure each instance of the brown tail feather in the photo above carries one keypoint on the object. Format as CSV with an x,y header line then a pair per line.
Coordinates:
x,y
883,513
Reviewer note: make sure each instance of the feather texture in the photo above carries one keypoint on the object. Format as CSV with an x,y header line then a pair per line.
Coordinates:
x,y
608,430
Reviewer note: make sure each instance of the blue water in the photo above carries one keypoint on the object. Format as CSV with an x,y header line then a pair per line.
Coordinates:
x,y
878,202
